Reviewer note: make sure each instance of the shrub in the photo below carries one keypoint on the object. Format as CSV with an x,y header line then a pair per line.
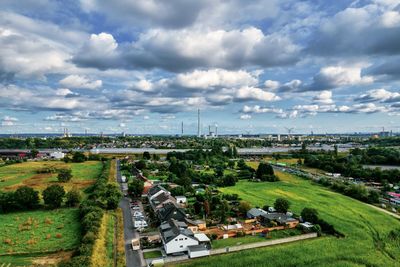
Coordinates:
x,y
64,175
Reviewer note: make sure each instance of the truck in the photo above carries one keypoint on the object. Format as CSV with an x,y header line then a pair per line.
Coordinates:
x,y
135,244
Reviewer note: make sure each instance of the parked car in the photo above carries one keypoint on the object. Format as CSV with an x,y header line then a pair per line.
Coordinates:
x,y
137,213
140,224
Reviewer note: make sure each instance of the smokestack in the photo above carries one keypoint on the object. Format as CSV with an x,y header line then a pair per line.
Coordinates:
x,y
216,130
182,128
198,123
209,130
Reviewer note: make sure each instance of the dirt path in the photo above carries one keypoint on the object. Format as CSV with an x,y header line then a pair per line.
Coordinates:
x,y
385,211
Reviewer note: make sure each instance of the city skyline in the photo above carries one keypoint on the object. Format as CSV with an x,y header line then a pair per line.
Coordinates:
x,y
144,67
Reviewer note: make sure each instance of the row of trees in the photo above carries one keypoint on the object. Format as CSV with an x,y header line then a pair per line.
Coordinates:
x,y
350,166
102,196
26,198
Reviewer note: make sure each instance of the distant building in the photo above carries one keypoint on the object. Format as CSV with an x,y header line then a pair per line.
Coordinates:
x,y
57,155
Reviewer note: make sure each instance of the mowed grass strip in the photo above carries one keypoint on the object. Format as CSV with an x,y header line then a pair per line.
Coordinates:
x,y
13,176
39,231
221,243
365,229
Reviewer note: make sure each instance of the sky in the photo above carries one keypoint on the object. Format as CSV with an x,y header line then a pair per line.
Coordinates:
x,y
145,66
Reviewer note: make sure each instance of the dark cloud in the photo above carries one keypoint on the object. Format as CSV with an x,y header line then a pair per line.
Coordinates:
x,y
389,70
367,30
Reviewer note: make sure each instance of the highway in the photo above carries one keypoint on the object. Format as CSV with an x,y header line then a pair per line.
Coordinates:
x,y
133,258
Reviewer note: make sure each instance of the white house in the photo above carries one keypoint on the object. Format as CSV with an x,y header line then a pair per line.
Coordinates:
x,y
181,200
57,155
176,237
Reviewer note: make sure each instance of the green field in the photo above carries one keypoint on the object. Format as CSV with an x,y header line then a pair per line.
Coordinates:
x,y
366,229
39,231
13,176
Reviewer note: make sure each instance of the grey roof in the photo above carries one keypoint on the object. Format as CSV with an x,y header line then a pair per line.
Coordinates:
x,y
174,228
255,212
168,210
279,217
154,189
200,247
161,198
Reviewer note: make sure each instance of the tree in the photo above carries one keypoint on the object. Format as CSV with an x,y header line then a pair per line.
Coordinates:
x,y
309,215
244,206
78,157
64,175
26,198
264,169
231,164
34,153
136,187
7,202
141,164
112,196
146,155
281,205
73,198
178,191
228,180
53,195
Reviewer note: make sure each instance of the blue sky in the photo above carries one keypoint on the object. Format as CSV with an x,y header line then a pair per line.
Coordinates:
x,y
145,66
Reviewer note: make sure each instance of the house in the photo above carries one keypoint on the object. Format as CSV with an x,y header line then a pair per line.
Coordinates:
x,y
181,200
255,212
176,237
170,211
57,155
154,190
196,225
158,200
280,219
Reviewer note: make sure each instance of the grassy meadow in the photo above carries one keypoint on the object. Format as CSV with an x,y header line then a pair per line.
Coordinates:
x,y
39,231
13,176
365,242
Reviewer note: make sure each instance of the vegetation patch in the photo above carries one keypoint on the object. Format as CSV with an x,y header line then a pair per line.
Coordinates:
x,y
39,231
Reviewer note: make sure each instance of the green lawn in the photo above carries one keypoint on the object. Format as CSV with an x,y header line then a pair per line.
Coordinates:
x,y
39,231
152,254
13,176
365,229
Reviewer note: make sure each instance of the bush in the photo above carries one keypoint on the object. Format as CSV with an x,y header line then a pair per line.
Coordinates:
x,y
64,175
309,215
73,198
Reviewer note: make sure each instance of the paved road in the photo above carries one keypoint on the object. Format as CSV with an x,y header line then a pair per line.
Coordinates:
x,y
133,258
